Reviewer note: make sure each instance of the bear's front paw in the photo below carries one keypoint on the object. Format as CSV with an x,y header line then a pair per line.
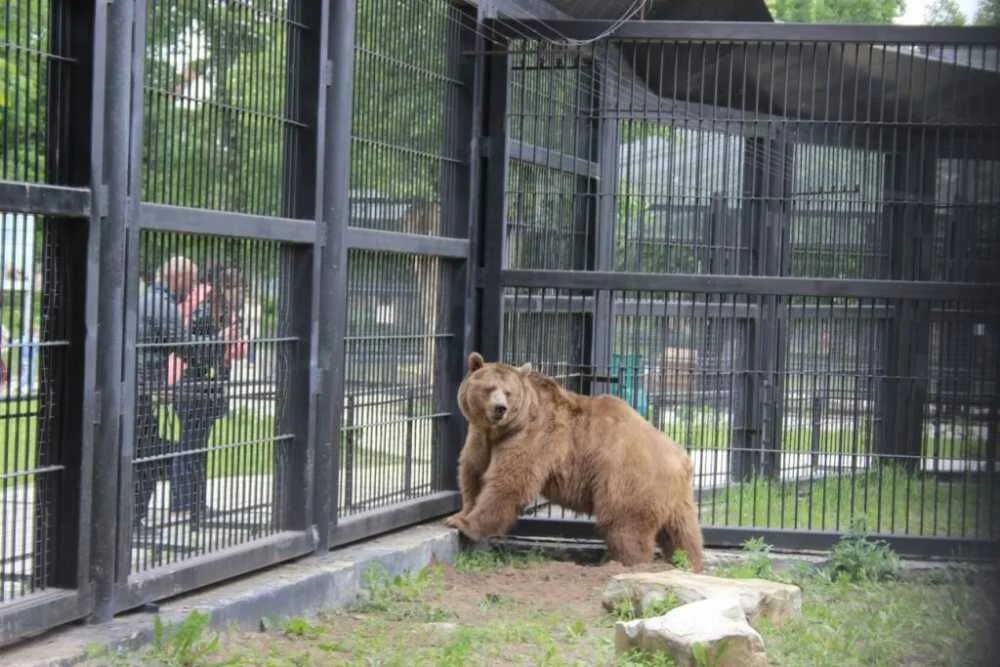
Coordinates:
x,y
470,530
454,520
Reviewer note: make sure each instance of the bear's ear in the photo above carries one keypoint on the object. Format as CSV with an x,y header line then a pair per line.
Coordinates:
x,y
475,362
526,368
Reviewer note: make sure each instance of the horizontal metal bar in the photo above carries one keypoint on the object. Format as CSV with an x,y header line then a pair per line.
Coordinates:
x,y
739,285
550,159
212,568
187,220
375,522
40,199
37,613
414,244
748,31
793,540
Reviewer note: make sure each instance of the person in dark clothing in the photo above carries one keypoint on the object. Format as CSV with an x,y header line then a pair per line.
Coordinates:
x,y
201,396
159,329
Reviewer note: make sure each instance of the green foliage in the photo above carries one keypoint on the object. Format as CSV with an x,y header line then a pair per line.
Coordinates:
x,y
757,561
23,99
836,11
187,644
640,658
944,12
624,610
300,628
680,560
661,606
856,558
485,560
988,13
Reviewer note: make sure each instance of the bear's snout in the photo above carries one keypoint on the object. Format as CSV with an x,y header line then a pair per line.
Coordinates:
x,y
499,411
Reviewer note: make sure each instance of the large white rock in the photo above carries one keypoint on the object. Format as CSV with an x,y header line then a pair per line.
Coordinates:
x,y
759,598
716,627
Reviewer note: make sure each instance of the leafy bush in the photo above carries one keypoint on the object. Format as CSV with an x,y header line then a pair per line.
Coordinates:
x,y
858,559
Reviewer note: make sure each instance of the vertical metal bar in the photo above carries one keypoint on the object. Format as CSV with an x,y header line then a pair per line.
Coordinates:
x,y
339,58
494,202
111,156
609,136
296,483
456,307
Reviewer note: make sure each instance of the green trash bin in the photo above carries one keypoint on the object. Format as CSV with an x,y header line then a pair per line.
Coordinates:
x,y
628,369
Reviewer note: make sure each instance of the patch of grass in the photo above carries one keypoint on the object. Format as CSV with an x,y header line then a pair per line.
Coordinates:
x,y
887,623
399,598
187,644
486,560
639,658
891,498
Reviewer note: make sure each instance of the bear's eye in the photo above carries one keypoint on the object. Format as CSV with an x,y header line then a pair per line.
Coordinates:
x,y
506,393
491,389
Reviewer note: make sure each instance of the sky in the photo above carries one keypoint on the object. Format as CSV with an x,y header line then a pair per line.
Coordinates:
x,y
917,9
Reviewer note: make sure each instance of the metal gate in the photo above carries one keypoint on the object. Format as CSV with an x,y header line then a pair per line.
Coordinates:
x,y
780,244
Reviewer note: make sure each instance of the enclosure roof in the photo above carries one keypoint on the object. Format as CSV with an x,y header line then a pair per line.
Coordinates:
x,y
669,10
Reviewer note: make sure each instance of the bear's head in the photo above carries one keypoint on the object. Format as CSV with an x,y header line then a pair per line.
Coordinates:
x,y
493,395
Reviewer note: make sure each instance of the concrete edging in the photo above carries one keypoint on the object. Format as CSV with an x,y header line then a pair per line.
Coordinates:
x,y
299,588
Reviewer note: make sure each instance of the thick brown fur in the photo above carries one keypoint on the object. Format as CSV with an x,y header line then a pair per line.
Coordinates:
x,y
529,436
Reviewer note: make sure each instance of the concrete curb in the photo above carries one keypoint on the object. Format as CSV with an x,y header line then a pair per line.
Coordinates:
x,y
300,588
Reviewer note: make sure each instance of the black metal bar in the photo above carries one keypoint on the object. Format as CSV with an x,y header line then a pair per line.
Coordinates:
x,y
181,219
746,31
112,106
793,540
40,199
493,235
414,244
373,523
552,159
877,289
214,568
336,213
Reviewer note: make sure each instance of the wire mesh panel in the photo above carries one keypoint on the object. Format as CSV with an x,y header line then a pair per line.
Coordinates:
x,y
390,448
406,161
35,335
219,124
212,444
776,159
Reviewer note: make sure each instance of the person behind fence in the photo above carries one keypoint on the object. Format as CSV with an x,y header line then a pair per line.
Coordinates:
x,y
200,395
159,329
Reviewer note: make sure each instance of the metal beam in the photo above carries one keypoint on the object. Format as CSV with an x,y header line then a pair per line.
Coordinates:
x,y
781,539
38,199
413,244
746,285
583,29
375,522
163,217
213,568
551,159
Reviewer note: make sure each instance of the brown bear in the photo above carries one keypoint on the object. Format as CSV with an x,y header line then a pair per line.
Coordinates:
x,y
528,436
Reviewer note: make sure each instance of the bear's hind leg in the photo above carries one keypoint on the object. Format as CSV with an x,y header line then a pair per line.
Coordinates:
x,y
630,545
684,532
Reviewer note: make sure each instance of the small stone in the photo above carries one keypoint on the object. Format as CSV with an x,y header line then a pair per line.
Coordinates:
x,y
714,630
760,598
441,627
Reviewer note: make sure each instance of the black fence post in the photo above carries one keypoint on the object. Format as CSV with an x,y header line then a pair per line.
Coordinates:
x,y
608,137
909,177
339,65
296,490
110,149
459,187
493,237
